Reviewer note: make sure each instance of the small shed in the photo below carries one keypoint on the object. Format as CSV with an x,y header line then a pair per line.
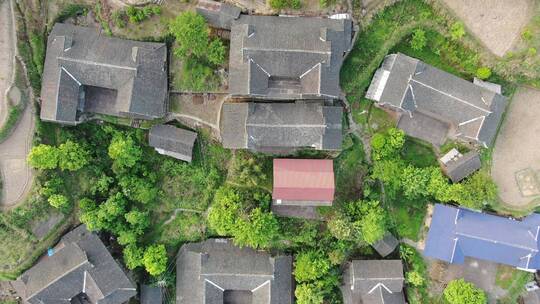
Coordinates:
x,y
386,245
458,166
151,295
172,141
218,14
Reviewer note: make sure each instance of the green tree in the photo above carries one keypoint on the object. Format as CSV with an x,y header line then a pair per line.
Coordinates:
x,y
86,204
389,172
483,73
457,31
92,220
340,227
476,191
197,76
461,292
309,293
415,278
224,212
257,232
418,40
387,145
133,256
216,52
43,157
373,224
58,201
139,189
191,33
138,221
155,259
310,265
414,181
124,151
72,156
127,237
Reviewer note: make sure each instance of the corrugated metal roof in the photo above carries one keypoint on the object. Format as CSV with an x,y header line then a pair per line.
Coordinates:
x,y
303,179
456,233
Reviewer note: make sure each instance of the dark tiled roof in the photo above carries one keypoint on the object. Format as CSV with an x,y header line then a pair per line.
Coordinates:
x,y
151,295
171,139
287,57
218,14
132,75
263,126
463,166
208,271
374,282
412,86
386,245
80,265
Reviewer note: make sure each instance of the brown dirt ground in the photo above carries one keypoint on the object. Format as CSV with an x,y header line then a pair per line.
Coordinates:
x,y
517,145
497,24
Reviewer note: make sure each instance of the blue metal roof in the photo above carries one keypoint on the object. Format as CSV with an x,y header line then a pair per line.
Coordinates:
x,y
456,233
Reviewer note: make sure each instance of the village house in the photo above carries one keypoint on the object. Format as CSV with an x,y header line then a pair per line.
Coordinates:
x,y
217,271
281,127
373,282
302,185
458,233
79,270
434,105
87,72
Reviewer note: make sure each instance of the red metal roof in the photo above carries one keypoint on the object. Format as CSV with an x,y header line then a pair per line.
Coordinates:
x,y
303,179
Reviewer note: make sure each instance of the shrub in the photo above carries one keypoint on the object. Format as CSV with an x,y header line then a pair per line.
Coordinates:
x,y
216,52
155,259
457,31
119,18
308,293
191,33
310,265
418,41
136,15
197,76
58,201
415,278
461,292
258,231
527,35
43,157
483,73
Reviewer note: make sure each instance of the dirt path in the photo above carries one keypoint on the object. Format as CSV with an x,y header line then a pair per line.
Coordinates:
x,y
7,56
16,175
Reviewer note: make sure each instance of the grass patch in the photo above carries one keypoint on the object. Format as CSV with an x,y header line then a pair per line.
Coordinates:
x,y
418,153
350,169
408,218
513,281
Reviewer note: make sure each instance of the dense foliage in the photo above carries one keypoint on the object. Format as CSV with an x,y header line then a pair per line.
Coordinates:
x,y
200,53
414,183
462,292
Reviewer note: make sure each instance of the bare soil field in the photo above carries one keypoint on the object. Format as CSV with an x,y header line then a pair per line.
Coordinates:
x,y
497,24
516,156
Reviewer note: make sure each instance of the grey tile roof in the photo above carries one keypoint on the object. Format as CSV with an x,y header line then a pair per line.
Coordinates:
x,y
412,86
151,295
208,271
80,265
386,245
463,166
83,67
374,282
287,57
171,139
267,126
218,14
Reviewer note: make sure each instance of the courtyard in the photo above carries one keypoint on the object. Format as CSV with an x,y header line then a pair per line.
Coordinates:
x,y
516,161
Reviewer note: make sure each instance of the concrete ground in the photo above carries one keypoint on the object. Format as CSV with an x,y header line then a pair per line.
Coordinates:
x,y
480,273
16,174
516,155
7,56
496,23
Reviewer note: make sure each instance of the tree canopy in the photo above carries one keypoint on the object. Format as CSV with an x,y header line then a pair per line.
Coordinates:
x,y
43,157
191,33
310,265
462,292
155,259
